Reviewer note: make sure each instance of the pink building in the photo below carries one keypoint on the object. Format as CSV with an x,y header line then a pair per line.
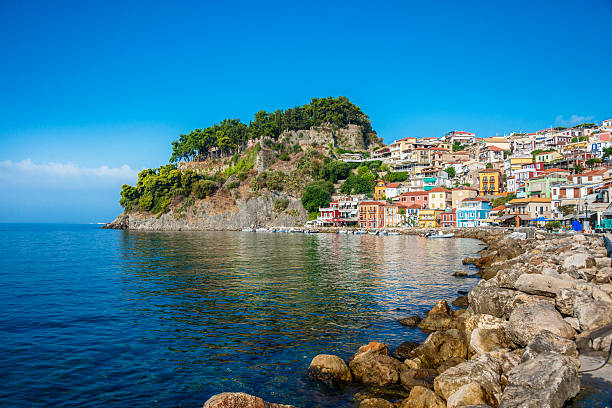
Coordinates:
x,y
420,198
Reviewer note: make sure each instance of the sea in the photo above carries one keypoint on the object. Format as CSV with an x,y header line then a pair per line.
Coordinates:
x,y
92,317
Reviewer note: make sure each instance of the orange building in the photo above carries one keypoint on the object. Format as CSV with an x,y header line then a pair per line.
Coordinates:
x,y
371,214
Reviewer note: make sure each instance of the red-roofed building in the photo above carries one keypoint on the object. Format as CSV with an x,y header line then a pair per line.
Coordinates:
x,y
460,137
419,198
440,198
491,154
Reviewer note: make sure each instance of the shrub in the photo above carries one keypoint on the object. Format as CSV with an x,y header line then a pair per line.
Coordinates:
x,y
204,188
281,204
146,202
551,225
233,184
317,194
284,156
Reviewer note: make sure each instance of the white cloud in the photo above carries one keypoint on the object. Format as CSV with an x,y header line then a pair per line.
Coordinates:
x,y
64,174
573,120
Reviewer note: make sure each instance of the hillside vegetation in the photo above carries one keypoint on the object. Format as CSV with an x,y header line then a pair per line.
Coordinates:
x,y
270,163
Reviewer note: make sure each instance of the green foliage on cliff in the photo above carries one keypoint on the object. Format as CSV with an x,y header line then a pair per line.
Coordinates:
x,y
317,194
231,135
361,183
156,188
395,177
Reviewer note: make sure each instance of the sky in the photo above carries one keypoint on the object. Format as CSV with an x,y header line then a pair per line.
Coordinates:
x,y
93,92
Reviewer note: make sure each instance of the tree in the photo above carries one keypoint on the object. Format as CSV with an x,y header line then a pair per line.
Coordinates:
x,y
552,225
317,194
503,200
204,188
592,162
578,169
607,152
451,172
458,146
489,166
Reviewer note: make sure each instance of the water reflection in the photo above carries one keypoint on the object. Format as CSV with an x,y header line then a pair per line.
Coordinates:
x,y
246,312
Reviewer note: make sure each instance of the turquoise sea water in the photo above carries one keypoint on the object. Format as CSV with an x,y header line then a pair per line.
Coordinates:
x,y
93,317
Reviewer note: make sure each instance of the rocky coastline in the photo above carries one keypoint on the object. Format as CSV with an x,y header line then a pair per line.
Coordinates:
x,y
544,301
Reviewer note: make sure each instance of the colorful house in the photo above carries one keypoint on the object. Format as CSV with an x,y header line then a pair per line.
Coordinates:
x,y
429,218
461,193
371,214
420,198
488,182
473,212
448,218
548,157
440,198
380,190
392,217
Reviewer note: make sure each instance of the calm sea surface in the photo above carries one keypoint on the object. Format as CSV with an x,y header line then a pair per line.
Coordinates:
x,y
92,317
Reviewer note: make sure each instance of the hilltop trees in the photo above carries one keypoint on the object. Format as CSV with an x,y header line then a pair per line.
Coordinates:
x,y
230,135
317,194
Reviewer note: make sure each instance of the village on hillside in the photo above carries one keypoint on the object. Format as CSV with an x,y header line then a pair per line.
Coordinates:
x,y
554,178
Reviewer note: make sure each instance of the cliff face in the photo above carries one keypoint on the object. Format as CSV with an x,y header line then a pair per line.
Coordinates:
x,y
210,215
349,138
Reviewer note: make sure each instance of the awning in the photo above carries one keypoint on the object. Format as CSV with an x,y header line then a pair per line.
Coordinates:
x,y
525,217
506,217
541,219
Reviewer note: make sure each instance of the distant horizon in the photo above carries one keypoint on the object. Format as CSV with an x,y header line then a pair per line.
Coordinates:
x,y
93,93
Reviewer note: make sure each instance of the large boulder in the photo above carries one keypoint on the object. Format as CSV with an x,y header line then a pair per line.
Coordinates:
x,y
546,381
486,333
376,369
529,319
541,285
578,260
421,397
564,300
468,394
438,318
484,370
411,321
239,400
488,298
441,346
592,313
375,403
423,377
329,368
546,341
404,350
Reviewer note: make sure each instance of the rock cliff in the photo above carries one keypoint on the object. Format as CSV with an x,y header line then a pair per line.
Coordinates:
x,y
219,213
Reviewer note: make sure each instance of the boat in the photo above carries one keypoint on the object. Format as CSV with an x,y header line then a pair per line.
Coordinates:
x,y
248,230
393,233
261,230
441,235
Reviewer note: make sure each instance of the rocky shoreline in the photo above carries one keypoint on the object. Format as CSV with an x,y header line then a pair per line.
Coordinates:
x,y
542,302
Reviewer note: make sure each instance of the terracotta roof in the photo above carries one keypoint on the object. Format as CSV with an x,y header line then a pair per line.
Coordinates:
x,y
439,190
553,170
494,148
393,185
412,206
414,193
499,208
530,200
476,199
371,203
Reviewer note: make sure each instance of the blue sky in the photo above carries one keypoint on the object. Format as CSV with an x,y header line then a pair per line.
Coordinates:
x,y
92,92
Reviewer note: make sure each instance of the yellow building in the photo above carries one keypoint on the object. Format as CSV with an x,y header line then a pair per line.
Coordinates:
x,y
429,218
516,163
488,182
548,157
379,190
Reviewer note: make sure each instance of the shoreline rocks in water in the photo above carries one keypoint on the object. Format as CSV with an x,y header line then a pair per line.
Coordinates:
x,y
514,345
540,303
